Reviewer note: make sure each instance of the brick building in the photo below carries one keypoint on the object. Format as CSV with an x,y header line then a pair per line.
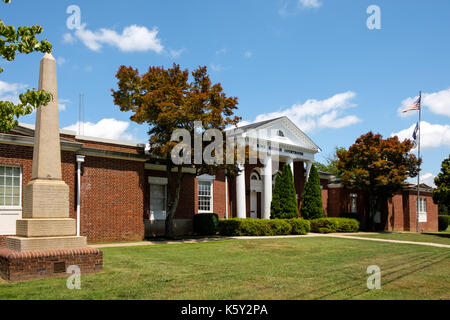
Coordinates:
x,y
118,191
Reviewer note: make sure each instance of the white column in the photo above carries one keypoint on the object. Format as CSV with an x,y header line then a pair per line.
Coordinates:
x,y
80,160
267,187
290,163
240,194
308,169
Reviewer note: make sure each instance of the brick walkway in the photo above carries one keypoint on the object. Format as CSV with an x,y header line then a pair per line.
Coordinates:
x,y
311,235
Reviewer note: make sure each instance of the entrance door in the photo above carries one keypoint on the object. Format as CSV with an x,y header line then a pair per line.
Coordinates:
x,y
157,202
254,205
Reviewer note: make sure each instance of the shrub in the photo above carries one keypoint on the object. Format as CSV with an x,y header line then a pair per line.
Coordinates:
x,y
255,227
443,222
324,225
346,224
284,198
300,226
230,227
312,206
279,227
330,225
206,224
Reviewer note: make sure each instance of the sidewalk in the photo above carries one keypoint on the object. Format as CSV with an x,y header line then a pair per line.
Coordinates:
x,y
311,235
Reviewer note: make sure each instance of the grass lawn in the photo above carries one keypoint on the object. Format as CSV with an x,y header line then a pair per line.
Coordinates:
x,y
301,268
441,237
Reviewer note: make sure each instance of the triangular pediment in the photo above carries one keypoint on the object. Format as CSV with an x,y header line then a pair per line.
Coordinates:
x,y
283,131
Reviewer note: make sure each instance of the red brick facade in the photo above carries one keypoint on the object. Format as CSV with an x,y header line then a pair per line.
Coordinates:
x,y
115,192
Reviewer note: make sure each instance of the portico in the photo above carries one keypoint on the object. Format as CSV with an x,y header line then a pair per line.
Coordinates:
x,y
276,142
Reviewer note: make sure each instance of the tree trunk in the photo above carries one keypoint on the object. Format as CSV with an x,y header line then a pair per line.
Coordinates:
x,y
172,200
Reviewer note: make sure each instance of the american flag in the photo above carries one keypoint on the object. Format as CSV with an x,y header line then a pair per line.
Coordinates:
x,y
414,106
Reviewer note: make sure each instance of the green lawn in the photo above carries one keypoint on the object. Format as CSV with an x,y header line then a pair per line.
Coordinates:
x,y
441,238
301,268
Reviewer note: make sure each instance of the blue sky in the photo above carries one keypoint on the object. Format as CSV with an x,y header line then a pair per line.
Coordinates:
x,y
315,61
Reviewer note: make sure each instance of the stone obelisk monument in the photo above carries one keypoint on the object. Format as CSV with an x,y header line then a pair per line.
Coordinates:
x,y
46,224
45,235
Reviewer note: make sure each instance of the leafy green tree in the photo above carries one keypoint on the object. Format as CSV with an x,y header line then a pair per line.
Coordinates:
x,y
21,40
378,167
312,205
441,195
167,100
284,198
275,206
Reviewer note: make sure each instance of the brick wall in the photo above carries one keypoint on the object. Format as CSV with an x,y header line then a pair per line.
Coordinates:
x,y
112,192
112,200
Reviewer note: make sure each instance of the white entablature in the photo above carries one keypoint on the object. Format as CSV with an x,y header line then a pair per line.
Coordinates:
x,y
278,136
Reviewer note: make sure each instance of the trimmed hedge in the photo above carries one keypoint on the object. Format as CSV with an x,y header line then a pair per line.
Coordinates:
x,y
443,222
324,225
206,224
300,226
256,227
332,225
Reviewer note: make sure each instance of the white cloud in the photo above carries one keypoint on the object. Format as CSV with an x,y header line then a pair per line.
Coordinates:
x,y
432,136
11,91
62,104
69,38
426,177
176,53
309,4
105,128
221,51
133,38
436,102
216,67
60,61
248,54
318,114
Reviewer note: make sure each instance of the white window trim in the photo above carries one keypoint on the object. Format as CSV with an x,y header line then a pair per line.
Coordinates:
x,y
210,179
423,215
5,209
157,181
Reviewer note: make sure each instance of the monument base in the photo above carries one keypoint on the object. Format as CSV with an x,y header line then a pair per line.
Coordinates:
x,y
22,244
15,266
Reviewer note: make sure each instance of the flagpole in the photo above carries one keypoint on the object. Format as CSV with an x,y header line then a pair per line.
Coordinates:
x,y
418,157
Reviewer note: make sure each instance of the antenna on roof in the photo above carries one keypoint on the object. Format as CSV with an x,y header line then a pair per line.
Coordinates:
x,y
81,114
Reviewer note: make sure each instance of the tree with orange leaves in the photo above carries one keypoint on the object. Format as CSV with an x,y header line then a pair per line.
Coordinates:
x,y
378,167
168,101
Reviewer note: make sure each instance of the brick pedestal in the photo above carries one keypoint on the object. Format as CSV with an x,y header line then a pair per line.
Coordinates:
x,y
15,266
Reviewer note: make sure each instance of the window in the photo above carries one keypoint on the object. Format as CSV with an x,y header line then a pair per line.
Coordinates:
x,y
10,186
422,205
205,196
353,203
157,201
280,133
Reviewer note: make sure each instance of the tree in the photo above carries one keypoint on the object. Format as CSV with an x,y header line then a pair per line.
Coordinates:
x,y
441,195
284,197
312,205
167,101
379,167
330,164
23,40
